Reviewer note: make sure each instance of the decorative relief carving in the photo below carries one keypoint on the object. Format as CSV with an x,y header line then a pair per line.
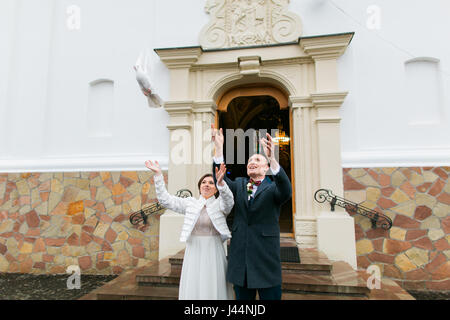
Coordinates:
x,y
236,23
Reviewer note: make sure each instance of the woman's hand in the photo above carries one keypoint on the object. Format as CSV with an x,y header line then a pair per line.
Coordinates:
x,y
218,139
153,166
220,174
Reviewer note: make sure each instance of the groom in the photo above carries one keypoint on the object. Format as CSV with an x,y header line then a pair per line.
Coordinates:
x,y
254,257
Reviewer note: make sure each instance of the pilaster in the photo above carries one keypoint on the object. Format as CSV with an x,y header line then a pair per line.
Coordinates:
x,y
325,51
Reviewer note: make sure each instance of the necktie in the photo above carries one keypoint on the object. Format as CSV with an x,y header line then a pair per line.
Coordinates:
x,y
256,183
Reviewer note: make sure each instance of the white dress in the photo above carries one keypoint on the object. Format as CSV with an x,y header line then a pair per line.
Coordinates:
x,y
203,276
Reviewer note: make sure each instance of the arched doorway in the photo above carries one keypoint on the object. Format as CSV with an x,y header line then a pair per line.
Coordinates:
x,y
306,76
265,109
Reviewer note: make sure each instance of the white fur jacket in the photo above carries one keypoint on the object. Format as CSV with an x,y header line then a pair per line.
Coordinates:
x,y
217,209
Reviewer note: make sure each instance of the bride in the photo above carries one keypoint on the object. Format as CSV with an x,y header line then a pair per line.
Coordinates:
x,y
204,231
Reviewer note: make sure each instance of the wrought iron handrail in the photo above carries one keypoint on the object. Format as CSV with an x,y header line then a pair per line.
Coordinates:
x,y
378,219
143,214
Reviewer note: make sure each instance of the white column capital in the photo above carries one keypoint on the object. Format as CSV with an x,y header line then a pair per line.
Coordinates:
x,y
300,102
327,105
180,114
204,107
328,99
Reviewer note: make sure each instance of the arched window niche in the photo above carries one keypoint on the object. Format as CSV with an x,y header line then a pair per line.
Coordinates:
x,y
423,91
100,108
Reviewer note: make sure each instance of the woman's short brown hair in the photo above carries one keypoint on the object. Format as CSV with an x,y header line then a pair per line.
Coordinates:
x,y
201,180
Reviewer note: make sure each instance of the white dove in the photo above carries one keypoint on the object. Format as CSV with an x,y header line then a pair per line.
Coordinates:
x,y
142,76
144,81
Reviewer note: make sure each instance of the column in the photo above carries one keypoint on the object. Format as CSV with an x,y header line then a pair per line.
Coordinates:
x,y
179,173
183,131
204,115
335,230
305,169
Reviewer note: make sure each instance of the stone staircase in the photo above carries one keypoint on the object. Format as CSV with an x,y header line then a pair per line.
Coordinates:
x,y
315,277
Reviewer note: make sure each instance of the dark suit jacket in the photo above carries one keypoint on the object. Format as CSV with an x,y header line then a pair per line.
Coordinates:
x,y
255,242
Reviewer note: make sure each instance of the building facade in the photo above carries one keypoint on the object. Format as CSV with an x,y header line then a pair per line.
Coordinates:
x,y
364,102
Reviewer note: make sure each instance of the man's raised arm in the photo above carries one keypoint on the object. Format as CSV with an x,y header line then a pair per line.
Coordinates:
x,y
284,188
218,139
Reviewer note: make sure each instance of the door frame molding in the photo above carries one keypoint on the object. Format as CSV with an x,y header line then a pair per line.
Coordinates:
x,y
278,94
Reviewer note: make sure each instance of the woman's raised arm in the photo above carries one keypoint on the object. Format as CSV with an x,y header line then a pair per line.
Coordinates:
x,y
167,200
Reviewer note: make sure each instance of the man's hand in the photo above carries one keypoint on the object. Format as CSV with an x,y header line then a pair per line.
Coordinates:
x,y
153,166
269,150
220,174
268,147
218,139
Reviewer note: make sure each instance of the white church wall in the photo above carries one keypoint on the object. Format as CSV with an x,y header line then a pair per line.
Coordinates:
x,y
48,63
376,126
52,66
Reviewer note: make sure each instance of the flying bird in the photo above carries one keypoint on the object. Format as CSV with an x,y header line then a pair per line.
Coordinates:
x,y
142,69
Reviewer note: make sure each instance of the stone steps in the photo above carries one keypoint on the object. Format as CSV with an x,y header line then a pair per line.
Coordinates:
x,y
125,286
315,278
308,267
141,293
312,261
320,296
301,283
162,275
315,274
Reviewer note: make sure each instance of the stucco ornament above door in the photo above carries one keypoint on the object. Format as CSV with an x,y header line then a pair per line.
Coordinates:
x,y
236,23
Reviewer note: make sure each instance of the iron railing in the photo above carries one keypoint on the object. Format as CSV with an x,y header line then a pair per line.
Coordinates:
x,y
143,214
378,219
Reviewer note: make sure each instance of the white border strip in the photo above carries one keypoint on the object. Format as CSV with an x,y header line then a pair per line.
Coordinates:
x,y
402,158
362,159
82,164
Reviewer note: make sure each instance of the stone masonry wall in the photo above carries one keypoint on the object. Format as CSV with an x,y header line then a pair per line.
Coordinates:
x,y
415,252
49,221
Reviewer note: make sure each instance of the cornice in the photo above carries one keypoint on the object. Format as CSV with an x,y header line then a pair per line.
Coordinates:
x,y
318,100
183,106
178,58
326,47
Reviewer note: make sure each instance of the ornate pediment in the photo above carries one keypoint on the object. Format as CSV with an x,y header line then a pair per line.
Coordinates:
x,y
236,23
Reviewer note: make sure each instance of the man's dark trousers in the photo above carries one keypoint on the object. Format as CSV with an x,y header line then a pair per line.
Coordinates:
x,y
244,293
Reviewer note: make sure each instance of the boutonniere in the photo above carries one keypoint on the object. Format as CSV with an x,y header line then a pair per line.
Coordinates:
x,y
249,189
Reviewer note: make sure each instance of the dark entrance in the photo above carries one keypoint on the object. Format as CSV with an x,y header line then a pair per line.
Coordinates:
x,y
258,112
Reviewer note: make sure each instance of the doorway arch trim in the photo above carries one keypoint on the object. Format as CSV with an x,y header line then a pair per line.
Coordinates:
x,y
249,91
